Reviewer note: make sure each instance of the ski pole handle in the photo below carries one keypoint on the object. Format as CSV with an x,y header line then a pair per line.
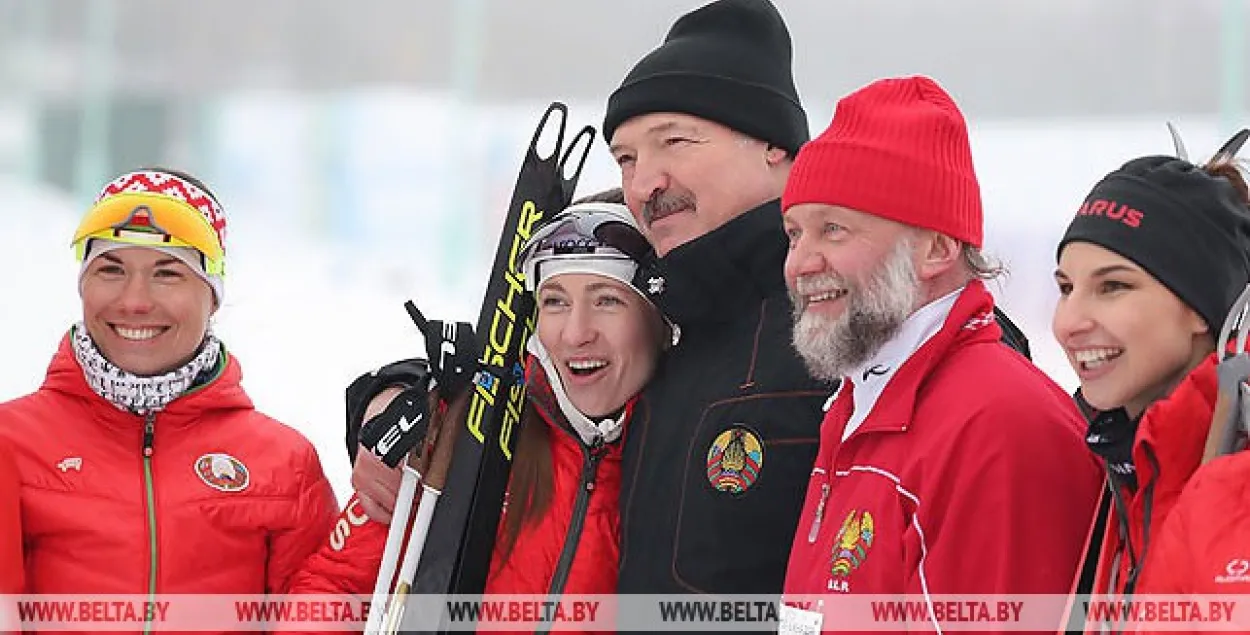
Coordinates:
x,y
393,433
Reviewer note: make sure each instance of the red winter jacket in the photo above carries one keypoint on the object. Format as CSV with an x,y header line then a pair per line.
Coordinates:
x,y
970,475
1167,449
1203,547
11,568
350,566
586,485
230,500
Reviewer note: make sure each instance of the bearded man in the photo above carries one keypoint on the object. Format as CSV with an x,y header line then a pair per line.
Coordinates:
x,y
948,463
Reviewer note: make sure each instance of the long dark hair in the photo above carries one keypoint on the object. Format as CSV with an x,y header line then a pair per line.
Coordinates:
x,y
1227,168
531,488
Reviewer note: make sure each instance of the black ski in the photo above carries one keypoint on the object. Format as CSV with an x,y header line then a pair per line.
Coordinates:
x,y
457,555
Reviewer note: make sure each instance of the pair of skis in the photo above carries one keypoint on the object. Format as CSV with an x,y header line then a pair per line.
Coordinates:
x,y
1230,421
461,467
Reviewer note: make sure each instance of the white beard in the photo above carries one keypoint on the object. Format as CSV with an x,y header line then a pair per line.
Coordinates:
x,y
875,311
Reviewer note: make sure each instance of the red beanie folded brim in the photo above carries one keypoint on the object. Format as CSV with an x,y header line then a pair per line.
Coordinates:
x,y
897,149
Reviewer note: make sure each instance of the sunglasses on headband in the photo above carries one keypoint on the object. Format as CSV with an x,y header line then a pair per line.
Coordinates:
x,y
151,220
589,234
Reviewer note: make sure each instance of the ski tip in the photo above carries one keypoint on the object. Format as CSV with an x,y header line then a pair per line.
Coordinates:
x,y
1231,147
588,133
541,132
1177,143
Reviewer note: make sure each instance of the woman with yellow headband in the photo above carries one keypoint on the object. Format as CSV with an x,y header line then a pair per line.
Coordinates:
x,y
144,467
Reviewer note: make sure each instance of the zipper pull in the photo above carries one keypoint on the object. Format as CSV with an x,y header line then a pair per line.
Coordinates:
x,y
148,432
820,512
592,463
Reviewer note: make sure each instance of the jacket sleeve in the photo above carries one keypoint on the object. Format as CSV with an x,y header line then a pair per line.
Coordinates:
x,y
347,561
12,567
1009,507
314,516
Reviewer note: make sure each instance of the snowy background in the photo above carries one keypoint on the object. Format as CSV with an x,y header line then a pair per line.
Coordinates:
x,y
352,187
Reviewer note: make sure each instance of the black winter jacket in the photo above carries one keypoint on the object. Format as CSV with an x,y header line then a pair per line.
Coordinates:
x,y
713,482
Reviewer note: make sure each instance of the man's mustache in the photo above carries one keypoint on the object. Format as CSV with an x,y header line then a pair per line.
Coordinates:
x,y
665,203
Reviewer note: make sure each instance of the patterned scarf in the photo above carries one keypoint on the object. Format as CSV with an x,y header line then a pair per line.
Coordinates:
x,y
142,395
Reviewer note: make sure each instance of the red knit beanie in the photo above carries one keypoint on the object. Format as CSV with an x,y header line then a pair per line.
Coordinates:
x,y
897,148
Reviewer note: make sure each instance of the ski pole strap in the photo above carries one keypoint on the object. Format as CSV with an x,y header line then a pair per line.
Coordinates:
x,y
394,432
452,348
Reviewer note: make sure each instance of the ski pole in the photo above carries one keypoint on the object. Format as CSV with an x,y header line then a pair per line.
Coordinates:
x,y
1233,370
394,540
443,433
412,556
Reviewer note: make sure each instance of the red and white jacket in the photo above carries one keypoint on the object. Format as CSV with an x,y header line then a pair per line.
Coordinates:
x,y
961,469
218,498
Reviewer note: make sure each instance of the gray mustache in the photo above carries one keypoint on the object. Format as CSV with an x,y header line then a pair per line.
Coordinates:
x,y
662,204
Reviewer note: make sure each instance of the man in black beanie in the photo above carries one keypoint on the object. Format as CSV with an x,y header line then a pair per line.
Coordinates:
x,y
705,126
705,129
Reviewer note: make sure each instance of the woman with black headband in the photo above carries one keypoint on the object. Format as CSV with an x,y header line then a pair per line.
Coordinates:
x,y
1149,269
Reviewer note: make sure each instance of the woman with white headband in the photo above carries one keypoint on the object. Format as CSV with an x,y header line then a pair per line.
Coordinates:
x,y
597,343
144,467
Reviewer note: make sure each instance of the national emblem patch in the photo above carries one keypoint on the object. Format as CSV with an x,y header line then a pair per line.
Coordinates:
x,y
222,472
851,545
734,460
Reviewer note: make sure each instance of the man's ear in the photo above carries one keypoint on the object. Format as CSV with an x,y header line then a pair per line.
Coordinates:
x,y
774,155
939,253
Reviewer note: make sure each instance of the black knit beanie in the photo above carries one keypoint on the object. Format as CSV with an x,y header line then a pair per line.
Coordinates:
x,y
728,62
1187,228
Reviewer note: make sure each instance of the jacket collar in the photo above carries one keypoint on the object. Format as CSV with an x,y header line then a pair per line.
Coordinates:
x,y
711,278
871,378
1171,435
223,393
969,320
